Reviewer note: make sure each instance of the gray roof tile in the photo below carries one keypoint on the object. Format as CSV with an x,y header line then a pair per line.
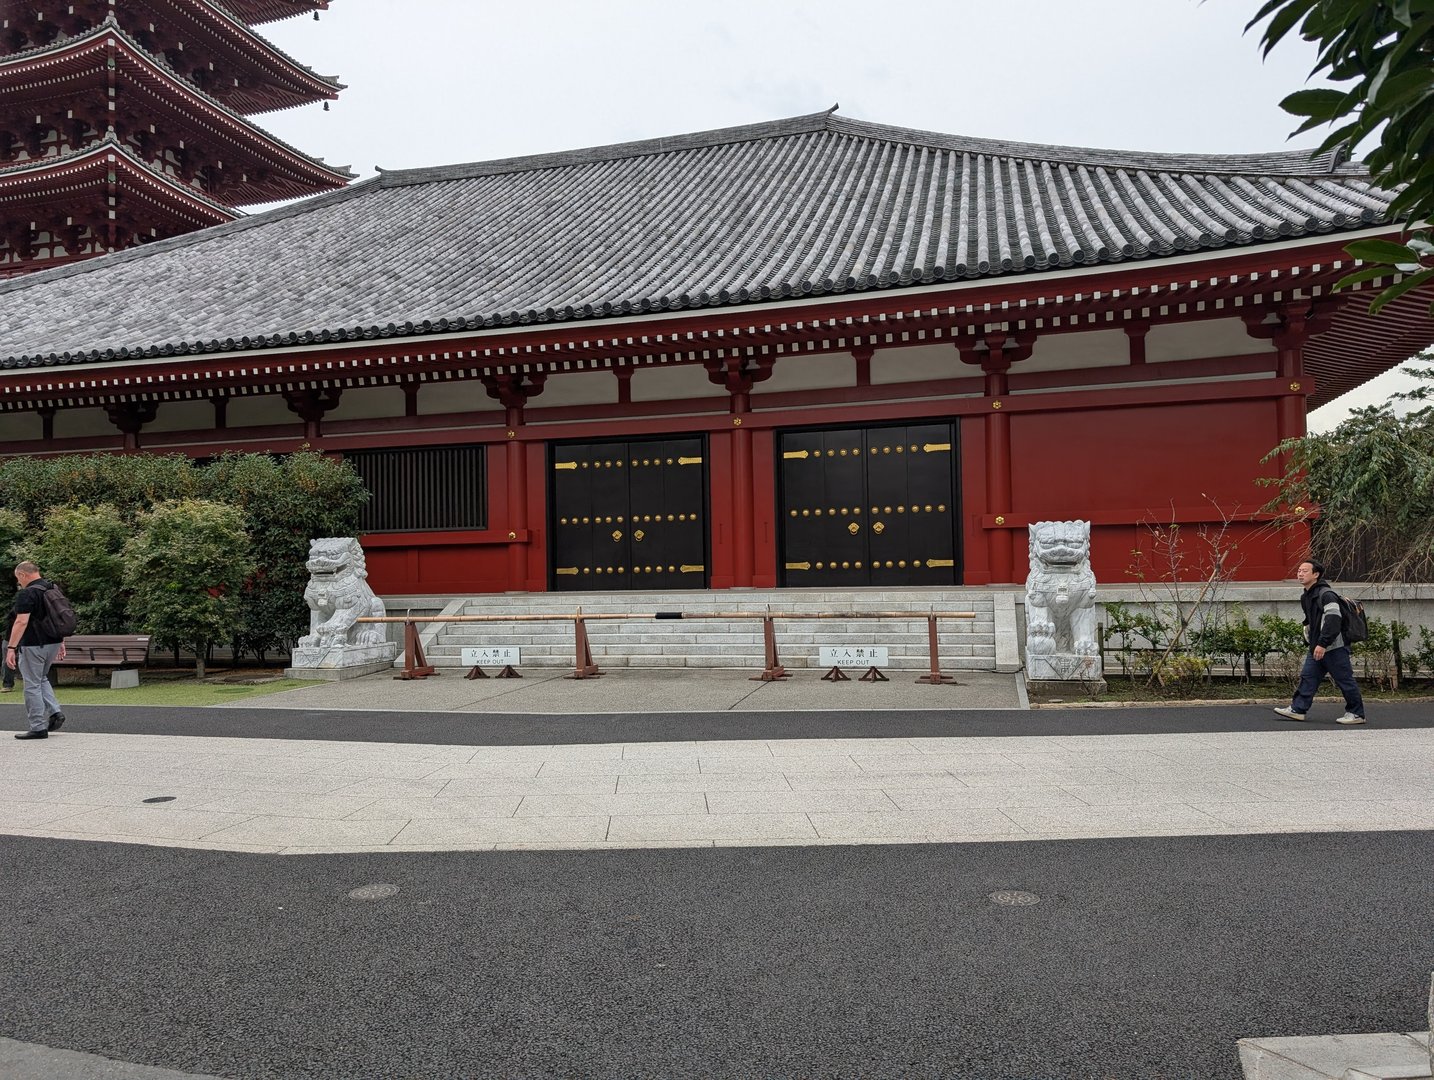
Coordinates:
x,y
812,205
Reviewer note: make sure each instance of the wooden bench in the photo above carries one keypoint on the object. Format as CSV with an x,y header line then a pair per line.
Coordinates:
x,y
123,652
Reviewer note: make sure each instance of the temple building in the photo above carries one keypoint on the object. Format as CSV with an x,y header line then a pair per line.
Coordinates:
x,y
810,352
126,122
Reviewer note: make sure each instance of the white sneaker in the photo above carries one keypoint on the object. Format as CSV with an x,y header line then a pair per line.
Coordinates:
x,y
1350,718
1288,713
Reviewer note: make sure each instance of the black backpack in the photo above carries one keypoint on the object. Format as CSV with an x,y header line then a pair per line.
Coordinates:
x,y
56,616
1353,624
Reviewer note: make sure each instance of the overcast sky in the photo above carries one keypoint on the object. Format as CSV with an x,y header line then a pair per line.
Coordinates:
x,y
435,82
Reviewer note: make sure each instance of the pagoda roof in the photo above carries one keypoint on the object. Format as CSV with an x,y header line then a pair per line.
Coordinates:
x,y
73,185
812,206
285,83
65,176
256,12
38,75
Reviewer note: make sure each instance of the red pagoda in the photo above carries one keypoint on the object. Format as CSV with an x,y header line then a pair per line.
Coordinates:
x,y
126,121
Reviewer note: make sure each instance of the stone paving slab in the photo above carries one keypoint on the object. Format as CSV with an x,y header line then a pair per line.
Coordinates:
x,y
1389,1055
624,691
249,795
31,1061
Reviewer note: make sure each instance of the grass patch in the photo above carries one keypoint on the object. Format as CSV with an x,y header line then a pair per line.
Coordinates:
x,y
188,691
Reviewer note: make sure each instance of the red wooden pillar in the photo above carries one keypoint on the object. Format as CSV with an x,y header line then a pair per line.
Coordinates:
x,y
513,390
998,468
130,417
1290,415
995,360
1291,327
310,405
517,501
743,529
1001,350
734,375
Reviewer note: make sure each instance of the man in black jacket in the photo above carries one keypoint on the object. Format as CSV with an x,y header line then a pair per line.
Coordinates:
x,y
1328,655
31,649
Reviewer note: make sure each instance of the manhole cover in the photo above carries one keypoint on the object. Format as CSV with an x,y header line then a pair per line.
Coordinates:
x,y
161,798
1014,898
373,892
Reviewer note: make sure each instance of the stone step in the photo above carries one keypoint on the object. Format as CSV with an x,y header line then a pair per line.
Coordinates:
x,y
964,644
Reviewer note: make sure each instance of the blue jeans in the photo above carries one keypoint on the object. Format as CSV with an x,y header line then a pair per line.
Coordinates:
x,y
1337,666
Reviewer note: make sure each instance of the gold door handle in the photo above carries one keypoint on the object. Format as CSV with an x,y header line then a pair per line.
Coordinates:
x,y
638,535
616,535
878,528
853,528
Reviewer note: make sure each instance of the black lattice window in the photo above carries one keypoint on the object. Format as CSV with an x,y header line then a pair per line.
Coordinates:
x,y
437,487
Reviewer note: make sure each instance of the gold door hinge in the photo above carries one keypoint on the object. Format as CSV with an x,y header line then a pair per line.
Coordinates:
x,y
689,568
796,454
940,562
936,447
799,566
566,571
689,461
559,465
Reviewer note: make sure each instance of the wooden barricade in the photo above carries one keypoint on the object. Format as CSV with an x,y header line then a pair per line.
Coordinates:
x,y
416,666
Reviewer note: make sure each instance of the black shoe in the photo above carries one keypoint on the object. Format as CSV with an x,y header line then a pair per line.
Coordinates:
x,y
57,721
33,735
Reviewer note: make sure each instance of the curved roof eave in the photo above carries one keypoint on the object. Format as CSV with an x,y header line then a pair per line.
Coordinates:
x,y
806,218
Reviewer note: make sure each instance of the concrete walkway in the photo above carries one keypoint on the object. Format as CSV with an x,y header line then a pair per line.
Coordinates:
x,y
307,795
904,781
681,690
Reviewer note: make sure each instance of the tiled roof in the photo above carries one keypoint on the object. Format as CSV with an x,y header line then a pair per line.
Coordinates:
x,y
810,206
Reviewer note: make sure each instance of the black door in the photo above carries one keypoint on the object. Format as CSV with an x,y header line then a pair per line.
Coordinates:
x,y
869,506
629,515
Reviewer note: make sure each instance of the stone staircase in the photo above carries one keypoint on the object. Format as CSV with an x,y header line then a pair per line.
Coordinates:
x,y
985,643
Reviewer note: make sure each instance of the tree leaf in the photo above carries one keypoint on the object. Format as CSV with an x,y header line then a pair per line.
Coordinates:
x,y
1394,292
1318,104
1368,273
1380,251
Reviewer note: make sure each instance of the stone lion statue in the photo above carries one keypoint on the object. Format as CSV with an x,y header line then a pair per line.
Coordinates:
x,y
338,594
1060,602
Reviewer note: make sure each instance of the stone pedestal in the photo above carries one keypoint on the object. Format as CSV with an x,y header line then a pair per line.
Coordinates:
x,y
124,678
339,662
1074,675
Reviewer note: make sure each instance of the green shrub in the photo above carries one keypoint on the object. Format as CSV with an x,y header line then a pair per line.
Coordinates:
x,y
1179,671
131,483
82,547
12,535
286,502
185,570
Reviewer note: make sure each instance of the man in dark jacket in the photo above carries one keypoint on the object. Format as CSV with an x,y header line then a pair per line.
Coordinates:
x,y
31,649
1328,655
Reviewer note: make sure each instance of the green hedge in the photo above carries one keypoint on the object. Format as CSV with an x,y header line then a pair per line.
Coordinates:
x,y
73,515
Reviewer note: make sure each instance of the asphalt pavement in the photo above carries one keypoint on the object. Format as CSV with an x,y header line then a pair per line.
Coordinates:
x,y
1138,957
1118,956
